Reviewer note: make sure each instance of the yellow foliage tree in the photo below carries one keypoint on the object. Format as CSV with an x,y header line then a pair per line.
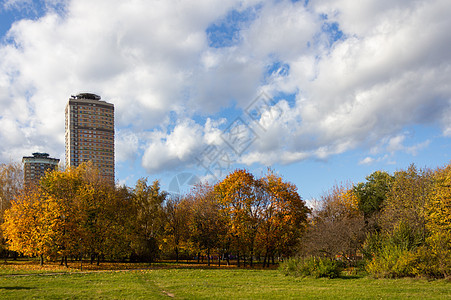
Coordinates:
x,y
177,211
69,214
31,225
439,219
240,200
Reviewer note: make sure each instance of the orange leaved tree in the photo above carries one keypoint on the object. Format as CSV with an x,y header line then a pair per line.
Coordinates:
x,y
241,201
283,217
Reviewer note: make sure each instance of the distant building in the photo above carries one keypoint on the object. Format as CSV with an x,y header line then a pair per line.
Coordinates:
x,y
36,166
90,133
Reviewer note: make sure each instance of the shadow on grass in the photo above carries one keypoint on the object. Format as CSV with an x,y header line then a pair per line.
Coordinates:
x,y
351,276
15,288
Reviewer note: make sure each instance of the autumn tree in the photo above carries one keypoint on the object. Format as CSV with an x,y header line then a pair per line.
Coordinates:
x,y
31,225
207,224
337,226
240,197
177,213
283,217
121,212
414,239
438,219
406,202
69,213
148,205
104,213
63,190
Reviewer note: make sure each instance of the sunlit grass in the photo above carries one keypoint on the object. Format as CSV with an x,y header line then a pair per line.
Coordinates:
x,y
191,282
33,266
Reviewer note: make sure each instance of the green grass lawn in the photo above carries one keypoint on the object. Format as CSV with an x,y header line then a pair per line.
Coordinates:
x,y
194,283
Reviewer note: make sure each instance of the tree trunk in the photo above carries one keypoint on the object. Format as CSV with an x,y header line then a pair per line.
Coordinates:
x,y
208,254
41,260
176,254
238,259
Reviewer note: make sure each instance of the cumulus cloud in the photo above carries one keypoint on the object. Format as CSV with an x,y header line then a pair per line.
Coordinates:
x,y
126,146
343,75
366,161
175,149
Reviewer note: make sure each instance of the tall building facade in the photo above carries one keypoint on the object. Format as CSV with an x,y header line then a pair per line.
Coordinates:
x,y
90,133
35,167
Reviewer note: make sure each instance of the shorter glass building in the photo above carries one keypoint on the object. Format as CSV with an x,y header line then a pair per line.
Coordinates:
x,y
35,167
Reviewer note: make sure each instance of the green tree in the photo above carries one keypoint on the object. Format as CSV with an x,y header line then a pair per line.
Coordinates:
x,y
372,194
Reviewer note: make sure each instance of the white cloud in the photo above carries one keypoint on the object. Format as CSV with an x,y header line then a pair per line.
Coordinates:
x,y
126,146
367,161
138,55
175,149
16,4
413,150
396,143
389,70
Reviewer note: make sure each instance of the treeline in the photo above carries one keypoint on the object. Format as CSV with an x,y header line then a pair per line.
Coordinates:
x,y
74,214
396,225
393,225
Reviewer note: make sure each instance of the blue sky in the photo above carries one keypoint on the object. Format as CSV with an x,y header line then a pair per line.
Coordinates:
x,y
323,92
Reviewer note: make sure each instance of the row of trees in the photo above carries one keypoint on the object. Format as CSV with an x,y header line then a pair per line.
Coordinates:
x,y
75,214
400,224
397,224
241,216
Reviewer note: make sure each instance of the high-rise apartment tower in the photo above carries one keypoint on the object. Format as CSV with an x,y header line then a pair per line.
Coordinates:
x,y
90,133
35,167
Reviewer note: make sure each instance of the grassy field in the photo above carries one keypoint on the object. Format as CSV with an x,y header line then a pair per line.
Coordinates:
x,y
196,283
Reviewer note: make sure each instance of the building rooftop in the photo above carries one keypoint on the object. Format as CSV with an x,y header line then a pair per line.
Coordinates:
x,y
38,154
87,96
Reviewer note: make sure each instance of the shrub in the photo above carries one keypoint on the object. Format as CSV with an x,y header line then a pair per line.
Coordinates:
x,y
404,253
311,266
392,261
